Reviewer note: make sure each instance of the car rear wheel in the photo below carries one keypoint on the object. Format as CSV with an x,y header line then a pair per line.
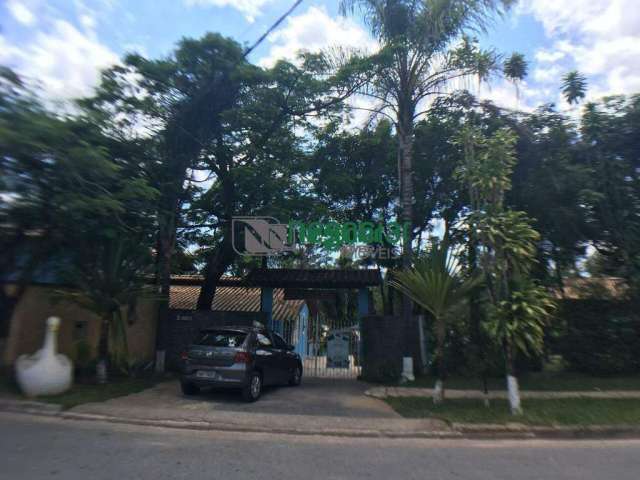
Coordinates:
x,y
189,388
296,376
251,392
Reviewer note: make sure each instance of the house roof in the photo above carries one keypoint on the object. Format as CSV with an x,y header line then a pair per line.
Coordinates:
x,y
577,288
293,278
196,280
236,299
315,278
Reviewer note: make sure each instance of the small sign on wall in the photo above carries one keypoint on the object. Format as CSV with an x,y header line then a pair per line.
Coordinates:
x,y
337,350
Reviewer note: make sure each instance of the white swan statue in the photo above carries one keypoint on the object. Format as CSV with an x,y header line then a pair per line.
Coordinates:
x,y
45,372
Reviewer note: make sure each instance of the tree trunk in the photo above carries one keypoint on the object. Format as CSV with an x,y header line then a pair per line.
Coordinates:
x,y
405,175
512,382
438,391
475,318
217,264
219,261
165,246
102,367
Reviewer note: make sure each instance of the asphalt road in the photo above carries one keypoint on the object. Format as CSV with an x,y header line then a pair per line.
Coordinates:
x,y
40,447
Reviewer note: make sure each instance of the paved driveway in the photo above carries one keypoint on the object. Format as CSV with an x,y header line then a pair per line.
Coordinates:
x,y
315,396
316,406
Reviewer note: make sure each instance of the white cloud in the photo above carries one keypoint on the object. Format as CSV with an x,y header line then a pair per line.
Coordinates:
x,y
88,22
547,74
600,38
504,94
315,30
21,13
549,55
249,8
64,61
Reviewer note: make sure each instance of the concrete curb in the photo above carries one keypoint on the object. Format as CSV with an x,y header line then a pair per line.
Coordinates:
x,y
546,432
456,431
29,406
230,427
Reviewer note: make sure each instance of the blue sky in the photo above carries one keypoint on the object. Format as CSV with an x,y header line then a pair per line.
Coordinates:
x,y
63,44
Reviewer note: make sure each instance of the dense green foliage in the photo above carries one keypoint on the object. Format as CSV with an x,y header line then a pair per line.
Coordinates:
x,y
600,337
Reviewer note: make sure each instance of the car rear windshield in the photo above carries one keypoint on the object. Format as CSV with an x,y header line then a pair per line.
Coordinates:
x,y
221,338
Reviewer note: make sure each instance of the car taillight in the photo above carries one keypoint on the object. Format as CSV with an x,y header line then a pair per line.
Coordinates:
x,y
242,357
184,356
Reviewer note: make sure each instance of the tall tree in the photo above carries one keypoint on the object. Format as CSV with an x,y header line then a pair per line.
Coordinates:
x,y
74,198
418,61
176,106
173,105
507,242
256,157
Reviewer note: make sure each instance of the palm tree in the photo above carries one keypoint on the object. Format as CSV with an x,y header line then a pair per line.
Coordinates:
x,y
515,69
506,244
574,87
109,279
436,283
417,63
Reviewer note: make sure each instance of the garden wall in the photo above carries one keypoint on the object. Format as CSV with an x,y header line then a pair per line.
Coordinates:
x,y
27,326
382,340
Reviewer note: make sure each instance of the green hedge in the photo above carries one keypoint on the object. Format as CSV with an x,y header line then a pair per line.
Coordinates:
x,y
600,336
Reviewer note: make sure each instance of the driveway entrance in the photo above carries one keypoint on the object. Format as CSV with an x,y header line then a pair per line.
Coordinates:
x,y
317,397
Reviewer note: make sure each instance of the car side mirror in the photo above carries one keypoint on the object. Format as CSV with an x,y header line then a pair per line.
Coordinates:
x,y
289,348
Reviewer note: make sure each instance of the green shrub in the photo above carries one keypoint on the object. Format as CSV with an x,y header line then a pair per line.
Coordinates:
x,y
601,337
465,358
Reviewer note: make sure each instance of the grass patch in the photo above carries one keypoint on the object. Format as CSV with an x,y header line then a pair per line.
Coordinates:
x,y
87,393
573,411
81,393
546,381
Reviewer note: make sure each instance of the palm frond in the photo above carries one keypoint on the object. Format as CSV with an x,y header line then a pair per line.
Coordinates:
x,y
436,282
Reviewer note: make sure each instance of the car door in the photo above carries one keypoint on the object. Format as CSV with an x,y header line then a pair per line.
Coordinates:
x,y
286,358
267,358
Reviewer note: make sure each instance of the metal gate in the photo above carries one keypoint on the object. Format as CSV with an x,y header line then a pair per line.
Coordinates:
x,y
329,348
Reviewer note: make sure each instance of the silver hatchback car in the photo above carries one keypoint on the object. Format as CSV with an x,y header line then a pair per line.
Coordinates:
x,y
246,358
